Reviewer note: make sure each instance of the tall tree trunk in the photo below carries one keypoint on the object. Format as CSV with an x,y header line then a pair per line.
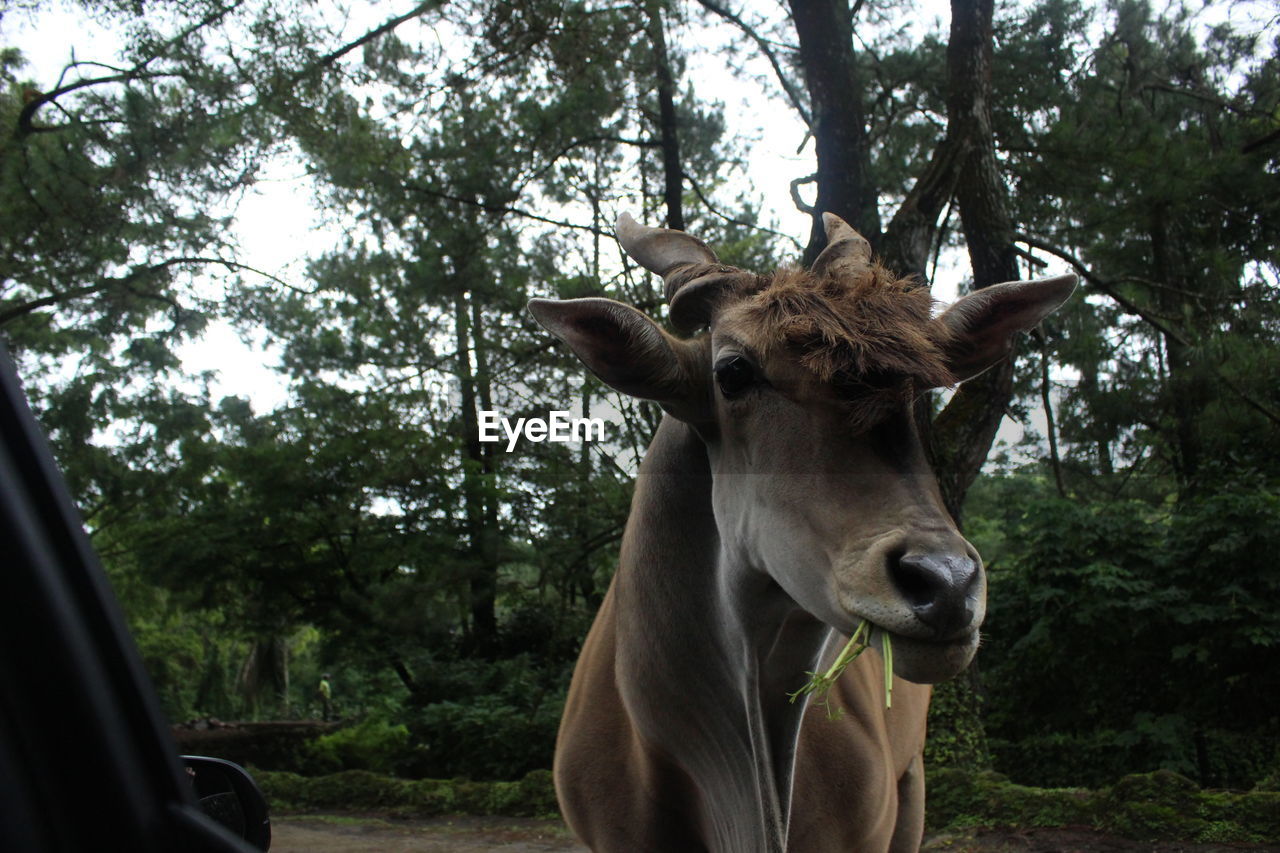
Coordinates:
x,y
482,574
845,183
211,695
1186,393
490,532
963,431
668,135
912,233
1046,400
965,162
1089,391
264,677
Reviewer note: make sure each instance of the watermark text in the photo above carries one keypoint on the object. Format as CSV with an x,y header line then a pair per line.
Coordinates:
x,y
558,426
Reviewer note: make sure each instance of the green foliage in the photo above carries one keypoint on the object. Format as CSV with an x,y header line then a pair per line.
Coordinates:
x,y
487,738
358,790
1165,806
959,798
957,739
1143,148
492,720
372,744
1178,598
1152,807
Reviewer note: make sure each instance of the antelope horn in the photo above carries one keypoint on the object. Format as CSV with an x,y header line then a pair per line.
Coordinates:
x,y
846,251
674,255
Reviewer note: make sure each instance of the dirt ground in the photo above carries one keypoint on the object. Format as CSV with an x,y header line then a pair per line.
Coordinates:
x,y
344,834
1067,840
333,834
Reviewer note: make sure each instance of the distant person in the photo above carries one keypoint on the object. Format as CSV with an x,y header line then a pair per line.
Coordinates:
x,y
326,696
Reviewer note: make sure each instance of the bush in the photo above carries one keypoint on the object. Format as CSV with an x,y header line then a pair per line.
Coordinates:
x,y
956,737
1094,759
361,791
373,744
1154,806
1159,806
1122,635
486,738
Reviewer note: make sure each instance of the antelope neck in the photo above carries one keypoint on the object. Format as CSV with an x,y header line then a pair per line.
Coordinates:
x,y
708,648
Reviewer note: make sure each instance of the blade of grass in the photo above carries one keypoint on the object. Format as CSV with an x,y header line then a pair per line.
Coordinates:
x,y
820,684
886,646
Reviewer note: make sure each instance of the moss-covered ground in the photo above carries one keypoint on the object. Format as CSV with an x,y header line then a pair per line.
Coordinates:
x,y
1155,807
1159,806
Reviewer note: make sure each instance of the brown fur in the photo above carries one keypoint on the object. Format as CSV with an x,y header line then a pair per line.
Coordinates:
x,y
874,329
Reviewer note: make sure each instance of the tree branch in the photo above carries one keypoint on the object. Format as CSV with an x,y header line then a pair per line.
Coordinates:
x,y
1250,147
14,311
795,193
488,207
1104,286
910,234
1131,307
384,28
26,117
792,95
697,190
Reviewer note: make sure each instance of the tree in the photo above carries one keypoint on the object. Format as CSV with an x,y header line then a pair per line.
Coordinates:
x,y
1175,235
1166,211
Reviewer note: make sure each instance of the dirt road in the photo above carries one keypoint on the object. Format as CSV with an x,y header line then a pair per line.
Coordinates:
x,y
332,834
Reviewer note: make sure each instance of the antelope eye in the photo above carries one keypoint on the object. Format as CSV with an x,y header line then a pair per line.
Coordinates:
x,y
734,375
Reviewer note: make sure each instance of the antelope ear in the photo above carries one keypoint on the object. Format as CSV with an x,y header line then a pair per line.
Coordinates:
x,y
978,330
624,348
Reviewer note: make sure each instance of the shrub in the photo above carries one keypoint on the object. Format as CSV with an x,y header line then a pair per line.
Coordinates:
x,y
1122,635
372,744
486,738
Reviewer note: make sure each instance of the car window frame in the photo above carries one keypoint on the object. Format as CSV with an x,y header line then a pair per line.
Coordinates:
x,y
88,758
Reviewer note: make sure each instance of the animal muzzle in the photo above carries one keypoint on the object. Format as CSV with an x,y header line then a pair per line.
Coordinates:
x,y
945,590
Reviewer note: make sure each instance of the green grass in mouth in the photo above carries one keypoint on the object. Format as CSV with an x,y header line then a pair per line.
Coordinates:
x,y
820,683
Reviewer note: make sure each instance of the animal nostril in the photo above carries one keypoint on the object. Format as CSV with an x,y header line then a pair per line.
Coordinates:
x,y
917,581
936,587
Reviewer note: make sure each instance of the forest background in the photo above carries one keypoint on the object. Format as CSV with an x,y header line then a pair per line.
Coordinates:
x,y
465,156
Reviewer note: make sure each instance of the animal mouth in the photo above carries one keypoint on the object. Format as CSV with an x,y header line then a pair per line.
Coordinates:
x,y
926,661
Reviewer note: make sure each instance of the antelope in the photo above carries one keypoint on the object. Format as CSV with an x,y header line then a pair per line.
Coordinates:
x,y
785,498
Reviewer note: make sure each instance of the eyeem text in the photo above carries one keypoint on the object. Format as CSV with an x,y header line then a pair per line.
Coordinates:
x,y
559,426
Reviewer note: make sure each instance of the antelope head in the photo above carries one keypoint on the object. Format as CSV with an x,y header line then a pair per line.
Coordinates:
x,y
801,385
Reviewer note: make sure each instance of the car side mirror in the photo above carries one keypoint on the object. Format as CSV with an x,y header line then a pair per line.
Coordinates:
x,y
227,793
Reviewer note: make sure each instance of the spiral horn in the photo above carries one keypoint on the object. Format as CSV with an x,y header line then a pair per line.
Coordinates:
x,y
847,251
676,256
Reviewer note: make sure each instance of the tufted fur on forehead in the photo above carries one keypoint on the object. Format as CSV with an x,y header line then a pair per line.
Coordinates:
x,y
869,327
